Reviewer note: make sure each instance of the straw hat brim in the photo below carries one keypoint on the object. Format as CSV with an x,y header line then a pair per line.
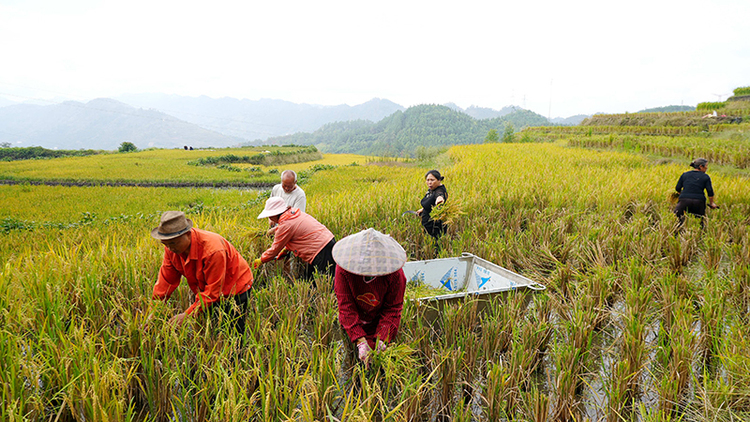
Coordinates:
x,y
167,236
369,253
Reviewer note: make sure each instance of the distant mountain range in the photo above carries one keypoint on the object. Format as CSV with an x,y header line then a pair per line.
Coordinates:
x,y
256,120
100,124
5,102
169,121
569,121
483,112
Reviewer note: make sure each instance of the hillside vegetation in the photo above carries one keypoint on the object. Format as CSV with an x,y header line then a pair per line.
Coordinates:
x,y
401,133
722,139
735,109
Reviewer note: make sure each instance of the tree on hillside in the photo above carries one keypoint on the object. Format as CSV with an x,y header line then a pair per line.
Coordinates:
x,y
127,147
492,136
508,133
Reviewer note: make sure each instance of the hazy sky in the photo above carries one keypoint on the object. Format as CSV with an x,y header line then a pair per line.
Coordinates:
x,y
555,58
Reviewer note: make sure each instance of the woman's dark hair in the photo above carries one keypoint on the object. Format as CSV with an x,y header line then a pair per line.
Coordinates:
x,y
698,162
435,174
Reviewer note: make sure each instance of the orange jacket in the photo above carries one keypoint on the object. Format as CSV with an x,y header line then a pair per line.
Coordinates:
x,y
300,233
213,269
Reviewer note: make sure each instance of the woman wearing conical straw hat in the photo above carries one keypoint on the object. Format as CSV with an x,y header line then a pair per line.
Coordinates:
x,y
369,285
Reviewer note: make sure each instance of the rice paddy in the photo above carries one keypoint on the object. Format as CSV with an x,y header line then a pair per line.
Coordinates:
x,y
639,321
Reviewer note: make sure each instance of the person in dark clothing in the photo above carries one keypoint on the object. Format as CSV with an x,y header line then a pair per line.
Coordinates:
x,y
436,194
690,186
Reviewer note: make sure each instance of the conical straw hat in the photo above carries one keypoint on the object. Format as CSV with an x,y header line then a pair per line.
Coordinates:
x,y
369,253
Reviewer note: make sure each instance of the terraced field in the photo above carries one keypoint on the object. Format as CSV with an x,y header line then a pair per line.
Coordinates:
x,y
639,321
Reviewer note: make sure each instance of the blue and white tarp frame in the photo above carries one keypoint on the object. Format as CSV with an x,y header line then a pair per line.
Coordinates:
x,y
464,276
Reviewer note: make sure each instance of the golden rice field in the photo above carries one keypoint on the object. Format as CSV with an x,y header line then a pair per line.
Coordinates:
x,y
155,166
638,322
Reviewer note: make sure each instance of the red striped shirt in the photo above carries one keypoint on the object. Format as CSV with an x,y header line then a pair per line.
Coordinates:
x,y
371,310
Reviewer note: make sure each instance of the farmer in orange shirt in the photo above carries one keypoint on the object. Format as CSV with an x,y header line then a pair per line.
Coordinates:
x,y
300,233
214,269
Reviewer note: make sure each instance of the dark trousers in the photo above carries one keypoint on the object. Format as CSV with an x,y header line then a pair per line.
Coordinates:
x,y
323,262
435,228
234,310
697,207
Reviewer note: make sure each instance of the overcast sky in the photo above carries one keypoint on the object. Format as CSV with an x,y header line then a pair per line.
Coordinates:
x,y
552,57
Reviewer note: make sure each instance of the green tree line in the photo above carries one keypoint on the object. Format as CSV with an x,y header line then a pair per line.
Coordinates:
x,y
29,153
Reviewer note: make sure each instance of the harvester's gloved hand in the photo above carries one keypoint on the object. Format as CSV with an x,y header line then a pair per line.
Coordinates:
x,y
380,346
257,263
363,351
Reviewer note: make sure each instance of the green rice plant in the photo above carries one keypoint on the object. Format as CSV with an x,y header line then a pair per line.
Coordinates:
x,y
729,393
712,254
20,394
414,399
536,406
320,387
497,323
711,311
677,369
679,251
462,412
741,291
625,384
572,351
498,390
460,317
449,361
325,319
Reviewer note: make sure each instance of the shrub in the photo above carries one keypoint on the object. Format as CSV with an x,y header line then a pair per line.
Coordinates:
x,y
127,147
508,133
11,154
744,90
710,105
492,136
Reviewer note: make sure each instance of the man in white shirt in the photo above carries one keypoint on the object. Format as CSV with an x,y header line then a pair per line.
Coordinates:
x,y
292,194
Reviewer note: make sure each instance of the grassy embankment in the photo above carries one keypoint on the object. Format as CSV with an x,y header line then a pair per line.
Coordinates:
x,y
170,167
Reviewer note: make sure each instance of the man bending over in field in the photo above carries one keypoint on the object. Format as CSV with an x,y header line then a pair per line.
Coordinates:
x,y
214,269
300,233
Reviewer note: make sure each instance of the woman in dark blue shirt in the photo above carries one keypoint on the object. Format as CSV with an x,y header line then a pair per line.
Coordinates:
x,y
690,186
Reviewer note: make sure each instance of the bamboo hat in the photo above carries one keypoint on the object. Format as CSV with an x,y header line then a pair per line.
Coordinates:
x,y
369,253
275,205
173,224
